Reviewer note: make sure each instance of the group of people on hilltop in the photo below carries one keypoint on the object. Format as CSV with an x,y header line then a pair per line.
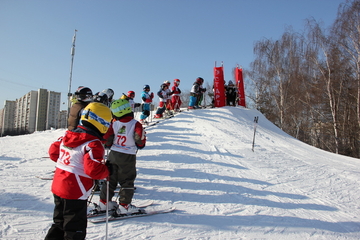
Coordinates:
x,y
169,99
95,123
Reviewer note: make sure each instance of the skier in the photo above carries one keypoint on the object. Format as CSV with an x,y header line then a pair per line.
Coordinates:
x,y
130,97
175,97
230,94
163,96
146,98
101,97
124,137
79,157
110,93
83,96
196,92
168,98
200,97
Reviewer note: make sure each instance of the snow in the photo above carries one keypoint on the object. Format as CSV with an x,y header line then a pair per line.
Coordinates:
x,y
202,163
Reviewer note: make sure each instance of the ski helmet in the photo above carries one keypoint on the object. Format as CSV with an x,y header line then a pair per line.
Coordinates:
x,y
84,94
230,83
120,107
96,115
101,97
167,83
146,87
163,86
109,92
177,82
130,94
200,80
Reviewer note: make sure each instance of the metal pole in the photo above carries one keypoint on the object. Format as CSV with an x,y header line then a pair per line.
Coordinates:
x,y
256,119
71,69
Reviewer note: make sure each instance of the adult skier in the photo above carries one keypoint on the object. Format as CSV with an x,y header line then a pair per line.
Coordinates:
x,y
79,157
125,137
146,98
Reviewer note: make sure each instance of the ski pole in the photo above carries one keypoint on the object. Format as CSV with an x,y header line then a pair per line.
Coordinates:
x,y
255,124
107,197
92,192
107,207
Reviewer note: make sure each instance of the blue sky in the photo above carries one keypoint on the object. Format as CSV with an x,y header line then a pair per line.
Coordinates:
x,y
125,44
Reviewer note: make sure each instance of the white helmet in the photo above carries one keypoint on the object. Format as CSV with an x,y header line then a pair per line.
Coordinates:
x,y
109,92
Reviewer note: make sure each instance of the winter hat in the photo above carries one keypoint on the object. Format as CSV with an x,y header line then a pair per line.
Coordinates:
x,y
96,115
120,107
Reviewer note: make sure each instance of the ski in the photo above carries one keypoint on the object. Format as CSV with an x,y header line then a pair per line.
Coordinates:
x,y
151,124
44,178
142,213
94,213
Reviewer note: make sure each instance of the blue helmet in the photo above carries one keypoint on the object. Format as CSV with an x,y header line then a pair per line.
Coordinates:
x,y
146,87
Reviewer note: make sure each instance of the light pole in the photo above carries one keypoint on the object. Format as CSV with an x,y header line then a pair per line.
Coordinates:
x,y
71,69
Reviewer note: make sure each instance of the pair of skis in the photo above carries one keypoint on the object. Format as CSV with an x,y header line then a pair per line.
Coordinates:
x,y
114,217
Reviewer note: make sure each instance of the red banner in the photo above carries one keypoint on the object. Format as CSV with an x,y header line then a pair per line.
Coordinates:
x,y
240,86
219,87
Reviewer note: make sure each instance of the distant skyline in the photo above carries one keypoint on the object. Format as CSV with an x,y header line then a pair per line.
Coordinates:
x,y
124,45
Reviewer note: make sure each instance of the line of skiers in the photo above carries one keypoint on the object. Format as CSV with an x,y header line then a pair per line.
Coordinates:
x,y
98,122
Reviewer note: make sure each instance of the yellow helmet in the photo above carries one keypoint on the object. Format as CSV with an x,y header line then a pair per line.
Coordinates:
x,y
120,107
98,115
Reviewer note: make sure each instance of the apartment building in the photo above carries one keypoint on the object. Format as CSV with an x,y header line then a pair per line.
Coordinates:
x,y
35,111
7,116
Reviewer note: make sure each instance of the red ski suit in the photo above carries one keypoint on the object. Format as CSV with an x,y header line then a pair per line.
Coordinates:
x,y
78,157
175,98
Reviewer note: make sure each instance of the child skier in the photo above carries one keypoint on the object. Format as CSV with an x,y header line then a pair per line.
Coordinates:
x,y
83,96
146,98
79,157
163,96
196,93
124,137
175,97
231,92
130,97
168,98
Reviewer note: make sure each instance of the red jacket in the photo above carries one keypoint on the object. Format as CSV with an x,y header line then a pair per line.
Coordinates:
x,y
79,159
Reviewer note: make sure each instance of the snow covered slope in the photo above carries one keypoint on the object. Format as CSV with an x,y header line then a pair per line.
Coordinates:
x,y
201,162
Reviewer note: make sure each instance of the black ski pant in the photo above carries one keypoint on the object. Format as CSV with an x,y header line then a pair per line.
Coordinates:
x,y
124,173
70,220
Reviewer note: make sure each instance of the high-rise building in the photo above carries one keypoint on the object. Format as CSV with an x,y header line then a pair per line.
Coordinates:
x,y
35,111
7,117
